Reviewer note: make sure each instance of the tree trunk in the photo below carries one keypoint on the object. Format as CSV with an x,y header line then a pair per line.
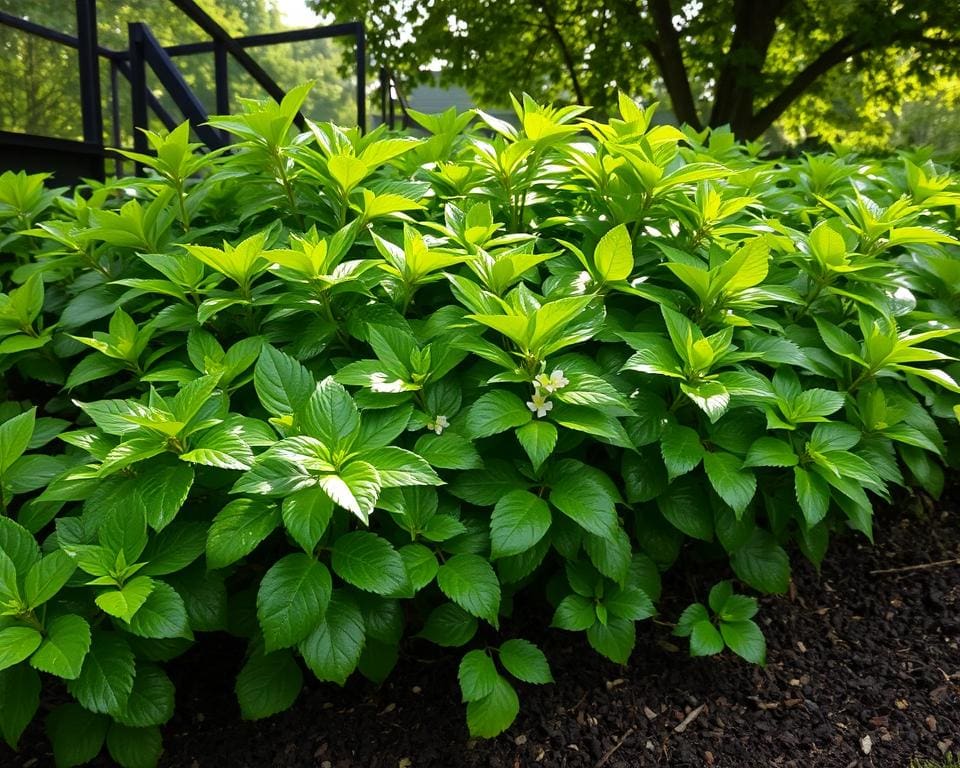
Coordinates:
x,y
669,59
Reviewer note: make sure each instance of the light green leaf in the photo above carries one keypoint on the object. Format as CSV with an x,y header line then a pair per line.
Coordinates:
x,y
538,439
331,415
238,528
47,577
128,599
745,639
16,644
705,640
614,255
282,383
306,515
496,412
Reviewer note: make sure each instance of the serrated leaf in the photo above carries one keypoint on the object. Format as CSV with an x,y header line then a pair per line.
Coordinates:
x,y
292,599
106,679
519,520
134,747
238,528
128,599
151,700
332,651
16,644
282,383
65,644
735,485
19,701
705,640
762,564
268,684
368,562
681,449
495,712
471,583
745,639
525,661
76,735
574,613
306,515
496,412
615,639
538,439
477,675
450,626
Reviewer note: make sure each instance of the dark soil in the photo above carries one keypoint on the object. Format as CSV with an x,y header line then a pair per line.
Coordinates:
x,y
863,670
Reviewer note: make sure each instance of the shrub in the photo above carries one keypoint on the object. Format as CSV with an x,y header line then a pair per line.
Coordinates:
x,y
327,391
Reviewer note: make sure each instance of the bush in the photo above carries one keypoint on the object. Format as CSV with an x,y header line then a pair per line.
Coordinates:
x,y
328,391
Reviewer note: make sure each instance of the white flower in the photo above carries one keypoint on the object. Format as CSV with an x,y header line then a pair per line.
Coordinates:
x,y
539,404
438,424
551,383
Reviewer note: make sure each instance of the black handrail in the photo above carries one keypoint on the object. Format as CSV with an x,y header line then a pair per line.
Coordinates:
x,y
145,50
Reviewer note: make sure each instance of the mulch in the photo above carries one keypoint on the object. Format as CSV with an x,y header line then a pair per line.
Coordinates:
x,y
863,669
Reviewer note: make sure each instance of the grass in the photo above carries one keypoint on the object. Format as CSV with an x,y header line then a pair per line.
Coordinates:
x,y
949,761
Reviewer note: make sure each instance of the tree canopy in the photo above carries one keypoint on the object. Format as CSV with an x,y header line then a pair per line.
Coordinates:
x,y
746,63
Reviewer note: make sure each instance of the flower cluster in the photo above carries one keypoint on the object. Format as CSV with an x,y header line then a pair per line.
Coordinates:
x,y
543,387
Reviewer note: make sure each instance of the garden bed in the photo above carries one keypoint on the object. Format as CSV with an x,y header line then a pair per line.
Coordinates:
x,y
852,654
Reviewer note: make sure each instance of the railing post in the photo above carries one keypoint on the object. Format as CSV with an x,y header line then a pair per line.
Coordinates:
x,y
115,116
384,94
361,78
87,52
138,87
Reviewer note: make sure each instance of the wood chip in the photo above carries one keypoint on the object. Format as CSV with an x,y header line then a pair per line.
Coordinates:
x,y
405,762
649,713
901,704
931,722
866,744
611,684
689,719
801,647
520,740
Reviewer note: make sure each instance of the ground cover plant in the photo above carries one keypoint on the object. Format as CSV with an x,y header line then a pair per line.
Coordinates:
x,y
329,391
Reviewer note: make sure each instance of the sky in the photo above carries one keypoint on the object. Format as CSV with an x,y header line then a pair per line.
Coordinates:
x,y
296,14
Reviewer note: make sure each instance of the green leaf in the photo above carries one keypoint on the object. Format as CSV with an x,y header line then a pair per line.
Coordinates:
x,y
128,599
292,599
124,530
47,577
450,626
762,563
813,495
495,712
574,613
19,701
538,439
420,564
106,678
163,615
332,650
733,484
150,701
355,488
711,397
161,491
18,544
15,436
496,412
306,515
283,384
705,640
448,451
16,644
238,528
76,735
471,583
525,661
64,647
681,449
398,468
685,508
585,495
770,452
614,255
629,603
268,684
135,747
745,639
477,675
519,520
738,608
331,415
692,615
369,562
615,639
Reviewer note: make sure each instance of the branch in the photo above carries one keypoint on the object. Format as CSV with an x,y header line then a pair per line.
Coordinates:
x,y
565,52
837,53
669,60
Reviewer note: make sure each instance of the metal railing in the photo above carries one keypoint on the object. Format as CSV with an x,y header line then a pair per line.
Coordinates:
x,y
144,51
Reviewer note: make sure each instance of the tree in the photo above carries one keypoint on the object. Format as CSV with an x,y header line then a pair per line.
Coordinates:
x,y
739,62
